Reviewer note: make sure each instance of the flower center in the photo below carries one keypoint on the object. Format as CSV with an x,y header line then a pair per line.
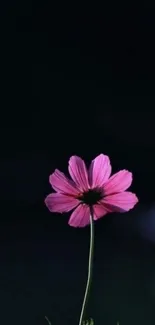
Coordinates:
x,y
91,197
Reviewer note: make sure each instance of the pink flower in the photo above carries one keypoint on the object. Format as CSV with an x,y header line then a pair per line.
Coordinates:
x,y
90,188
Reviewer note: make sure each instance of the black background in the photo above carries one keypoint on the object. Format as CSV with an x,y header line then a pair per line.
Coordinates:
x,y
75,81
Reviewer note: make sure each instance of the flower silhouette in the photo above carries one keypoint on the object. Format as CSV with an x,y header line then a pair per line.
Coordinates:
x,y
90,188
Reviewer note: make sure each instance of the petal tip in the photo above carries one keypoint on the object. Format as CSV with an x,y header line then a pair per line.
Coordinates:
x,y
136,199
52,175
74,159
46,201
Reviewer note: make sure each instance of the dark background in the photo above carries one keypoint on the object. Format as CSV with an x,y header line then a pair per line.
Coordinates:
x,y
75,81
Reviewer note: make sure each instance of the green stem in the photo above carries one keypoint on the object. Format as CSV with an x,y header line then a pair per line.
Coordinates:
x,y
90,267
48,320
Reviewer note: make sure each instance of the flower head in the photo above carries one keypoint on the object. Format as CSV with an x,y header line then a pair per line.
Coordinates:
x,y
90,188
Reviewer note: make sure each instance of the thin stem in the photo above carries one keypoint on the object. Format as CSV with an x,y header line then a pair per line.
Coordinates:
x,y
90,267
48,320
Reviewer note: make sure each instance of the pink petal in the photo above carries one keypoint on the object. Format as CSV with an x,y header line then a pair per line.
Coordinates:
x,y
99,171
80,216
61,183
78,172
57,202
119,182
100,211
120,202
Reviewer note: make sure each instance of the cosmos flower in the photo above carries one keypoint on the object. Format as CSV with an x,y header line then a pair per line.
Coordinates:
x,y
92,188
